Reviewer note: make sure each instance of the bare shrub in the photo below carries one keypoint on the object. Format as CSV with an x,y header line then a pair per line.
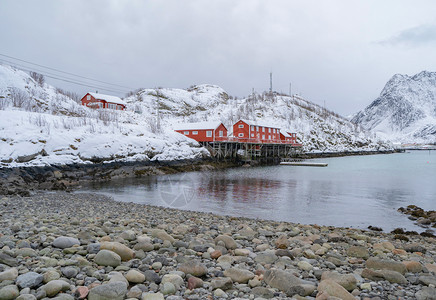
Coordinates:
x,y
18,97
135,92
39,78
3,103
154,125
107,116
66,124
69,94
92,127
39,120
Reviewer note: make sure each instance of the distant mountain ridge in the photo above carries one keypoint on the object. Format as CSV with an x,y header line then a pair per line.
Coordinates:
x,y
405,111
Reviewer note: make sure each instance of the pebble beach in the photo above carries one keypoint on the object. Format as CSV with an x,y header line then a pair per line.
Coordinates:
x,y
63,245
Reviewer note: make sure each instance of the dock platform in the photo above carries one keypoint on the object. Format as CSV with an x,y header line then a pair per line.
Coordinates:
x,y
304,164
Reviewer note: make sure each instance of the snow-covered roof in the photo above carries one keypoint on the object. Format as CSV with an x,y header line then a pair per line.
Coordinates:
x,y
257,123
198,125
108,98
285,133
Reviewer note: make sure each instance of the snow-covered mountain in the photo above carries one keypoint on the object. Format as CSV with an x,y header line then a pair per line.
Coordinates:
x,y
405,111
42,125
317,128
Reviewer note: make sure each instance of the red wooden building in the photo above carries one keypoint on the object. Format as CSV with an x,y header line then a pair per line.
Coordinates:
x,y
251,131
289,137
203,131
95,100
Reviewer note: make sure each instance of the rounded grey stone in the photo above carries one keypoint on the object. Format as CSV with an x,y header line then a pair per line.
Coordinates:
x,y
107,258
110,291
30,280
65,242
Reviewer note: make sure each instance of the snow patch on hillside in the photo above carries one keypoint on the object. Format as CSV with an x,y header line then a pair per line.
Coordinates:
x,y
45,127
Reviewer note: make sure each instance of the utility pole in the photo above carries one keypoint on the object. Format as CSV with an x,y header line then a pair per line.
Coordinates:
x,y
270,82
157,112
290,88
325,111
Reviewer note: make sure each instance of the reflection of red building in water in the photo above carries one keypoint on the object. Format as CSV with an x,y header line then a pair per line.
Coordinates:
x,y
203,131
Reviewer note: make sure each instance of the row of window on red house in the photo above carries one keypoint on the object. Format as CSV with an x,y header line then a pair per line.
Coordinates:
x,y
242,131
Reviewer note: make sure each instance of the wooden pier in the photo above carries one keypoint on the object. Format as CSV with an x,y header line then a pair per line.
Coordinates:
x,y
251,151
304,164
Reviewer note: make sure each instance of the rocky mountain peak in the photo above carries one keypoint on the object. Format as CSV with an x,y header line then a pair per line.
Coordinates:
x,y
405,111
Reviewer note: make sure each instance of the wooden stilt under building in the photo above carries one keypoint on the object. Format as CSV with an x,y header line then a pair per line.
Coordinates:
x,y
250,151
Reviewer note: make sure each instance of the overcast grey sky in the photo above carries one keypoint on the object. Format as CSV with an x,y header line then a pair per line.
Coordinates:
x,y
340,52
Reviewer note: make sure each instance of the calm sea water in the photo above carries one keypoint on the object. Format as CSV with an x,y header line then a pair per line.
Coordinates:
x,y
354,191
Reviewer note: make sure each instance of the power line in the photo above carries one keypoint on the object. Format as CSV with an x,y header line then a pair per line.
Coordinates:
x,y
65,79
57,70
57,77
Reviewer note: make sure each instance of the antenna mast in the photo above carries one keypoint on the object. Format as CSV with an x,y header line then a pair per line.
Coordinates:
x,y
270,83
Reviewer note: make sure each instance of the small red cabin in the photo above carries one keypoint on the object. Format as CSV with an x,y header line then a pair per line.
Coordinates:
x,y
95,100
203,131
251,131
289,137
284,136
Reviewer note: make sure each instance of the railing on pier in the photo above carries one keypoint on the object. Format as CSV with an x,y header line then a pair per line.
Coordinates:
x,y
255,141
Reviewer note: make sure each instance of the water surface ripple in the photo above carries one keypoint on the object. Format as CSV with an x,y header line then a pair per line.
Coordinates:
x,y
353,191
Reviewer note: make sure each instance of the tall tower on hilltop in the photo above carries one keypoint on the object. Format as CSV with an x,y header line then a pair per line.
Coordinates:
x,y
270,82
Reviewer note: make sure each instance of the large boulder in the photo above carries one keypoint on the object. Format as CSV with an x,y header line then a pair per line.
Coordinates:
x,y
54,287
386,264
194,268
107,258
227,240
284,281
224,283
63,242
174,279
134,276
9,292
122,250
9,274
348,281
358,251
8,260
29,280
239,275
426,293
333,289
163,235
110,291
266,257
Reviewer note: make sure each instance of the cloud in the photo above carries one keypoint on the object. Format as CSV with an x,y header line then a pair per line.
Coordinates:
x,y
416,36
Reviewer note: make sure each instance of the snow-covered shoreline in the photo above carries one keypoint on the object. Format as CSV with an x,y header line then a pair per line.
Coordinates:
x,y
42,126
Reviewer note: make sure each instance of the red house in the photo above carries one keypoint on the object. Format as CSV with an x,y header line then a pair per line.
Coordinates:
x,y
289,137
95,100
203,131
285,137
251,131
